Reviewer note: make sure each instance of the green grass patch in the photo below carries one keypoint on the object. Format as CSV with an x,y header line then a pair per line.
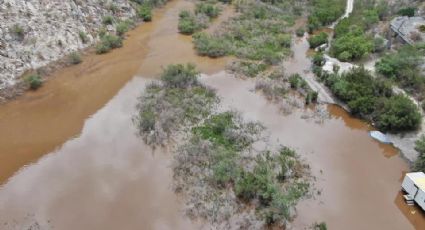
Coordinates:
x,y
404,67
258,33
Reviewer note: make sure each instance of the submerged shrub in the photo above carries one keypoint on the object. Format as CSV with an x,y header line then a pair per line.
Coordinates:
x,y
318,59
311,97
208,9
300,32
247,68
34,81
74,58
320,226
180,76
145,12
207,45
373,99
166,106
297,81
190,23
318,39
122,28
108,42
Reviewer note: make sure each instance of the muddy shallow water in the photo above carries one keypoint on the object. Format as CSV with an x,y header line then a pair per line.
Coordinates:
x,y
97,174
357,183
38,122
104,179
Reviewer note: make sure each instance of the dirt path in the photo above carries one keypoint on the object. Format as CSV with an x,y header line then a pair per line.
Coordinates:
x,y
301,63
348,9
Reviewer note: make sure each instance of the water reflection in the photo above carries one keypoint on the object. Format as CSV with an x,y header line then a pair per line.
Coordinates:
x,y
106,178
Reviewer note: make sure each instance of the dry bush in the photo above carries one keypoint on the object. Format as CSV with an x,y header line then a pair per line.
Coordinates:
x,y
222,142
415,36
178,100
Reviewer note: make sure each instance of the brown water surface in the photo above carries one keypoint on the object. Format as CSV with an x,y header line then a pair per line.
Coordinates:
x,y
40,121
102,176
104,179
356,181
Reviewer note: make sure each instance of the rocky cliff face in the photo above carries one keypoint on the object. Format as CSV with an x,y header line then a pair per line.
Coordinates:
x,y
36,32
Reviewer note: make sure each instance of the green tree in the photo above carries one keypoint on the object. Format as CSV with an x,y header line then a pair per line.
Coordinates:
x,y
397,113
352,45
419,164
318,39
407,11
325,12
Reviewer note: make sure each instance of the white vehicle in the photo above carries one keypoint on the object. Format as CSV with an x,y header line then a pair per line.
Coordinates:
x,y
414,185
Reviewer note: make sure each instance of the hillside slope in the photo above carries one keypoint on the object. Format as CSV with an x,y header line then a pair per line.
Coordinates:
x,y
34,33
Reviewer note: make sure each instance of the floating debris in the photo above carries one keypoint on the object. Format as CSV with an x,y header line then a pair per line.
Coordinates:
x,y
380,137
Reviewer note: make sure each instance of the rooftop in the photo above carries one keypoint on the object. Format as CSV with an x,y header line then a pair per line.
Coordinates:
x,y
408,28
418,178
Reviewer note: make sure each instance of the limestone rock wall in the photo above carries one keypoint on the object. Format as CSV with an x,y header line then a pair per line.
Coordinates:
x,y
36,32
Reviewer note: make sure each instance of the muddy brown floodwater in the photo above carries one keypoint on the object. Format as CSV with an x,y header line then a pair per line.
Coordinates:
x,y
358,184
106,178
40,121
87,169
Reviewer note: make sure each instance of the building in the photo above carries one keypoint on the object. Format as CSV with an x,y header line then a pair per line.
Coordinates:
x,y
414,185
409,29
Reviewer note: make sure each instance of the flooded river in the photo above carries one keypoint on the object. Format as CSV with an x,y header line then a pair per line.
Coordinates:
x,y
70,159
38,122
358,183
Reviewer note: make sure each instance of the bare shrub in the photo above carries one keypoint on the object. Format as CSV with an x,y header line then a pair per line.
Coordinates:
x,y
166,106
415,36
215,149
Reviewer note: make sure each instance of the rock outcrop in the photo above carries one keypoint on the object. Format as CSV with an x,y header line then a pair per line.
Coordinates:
x,y
34,33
